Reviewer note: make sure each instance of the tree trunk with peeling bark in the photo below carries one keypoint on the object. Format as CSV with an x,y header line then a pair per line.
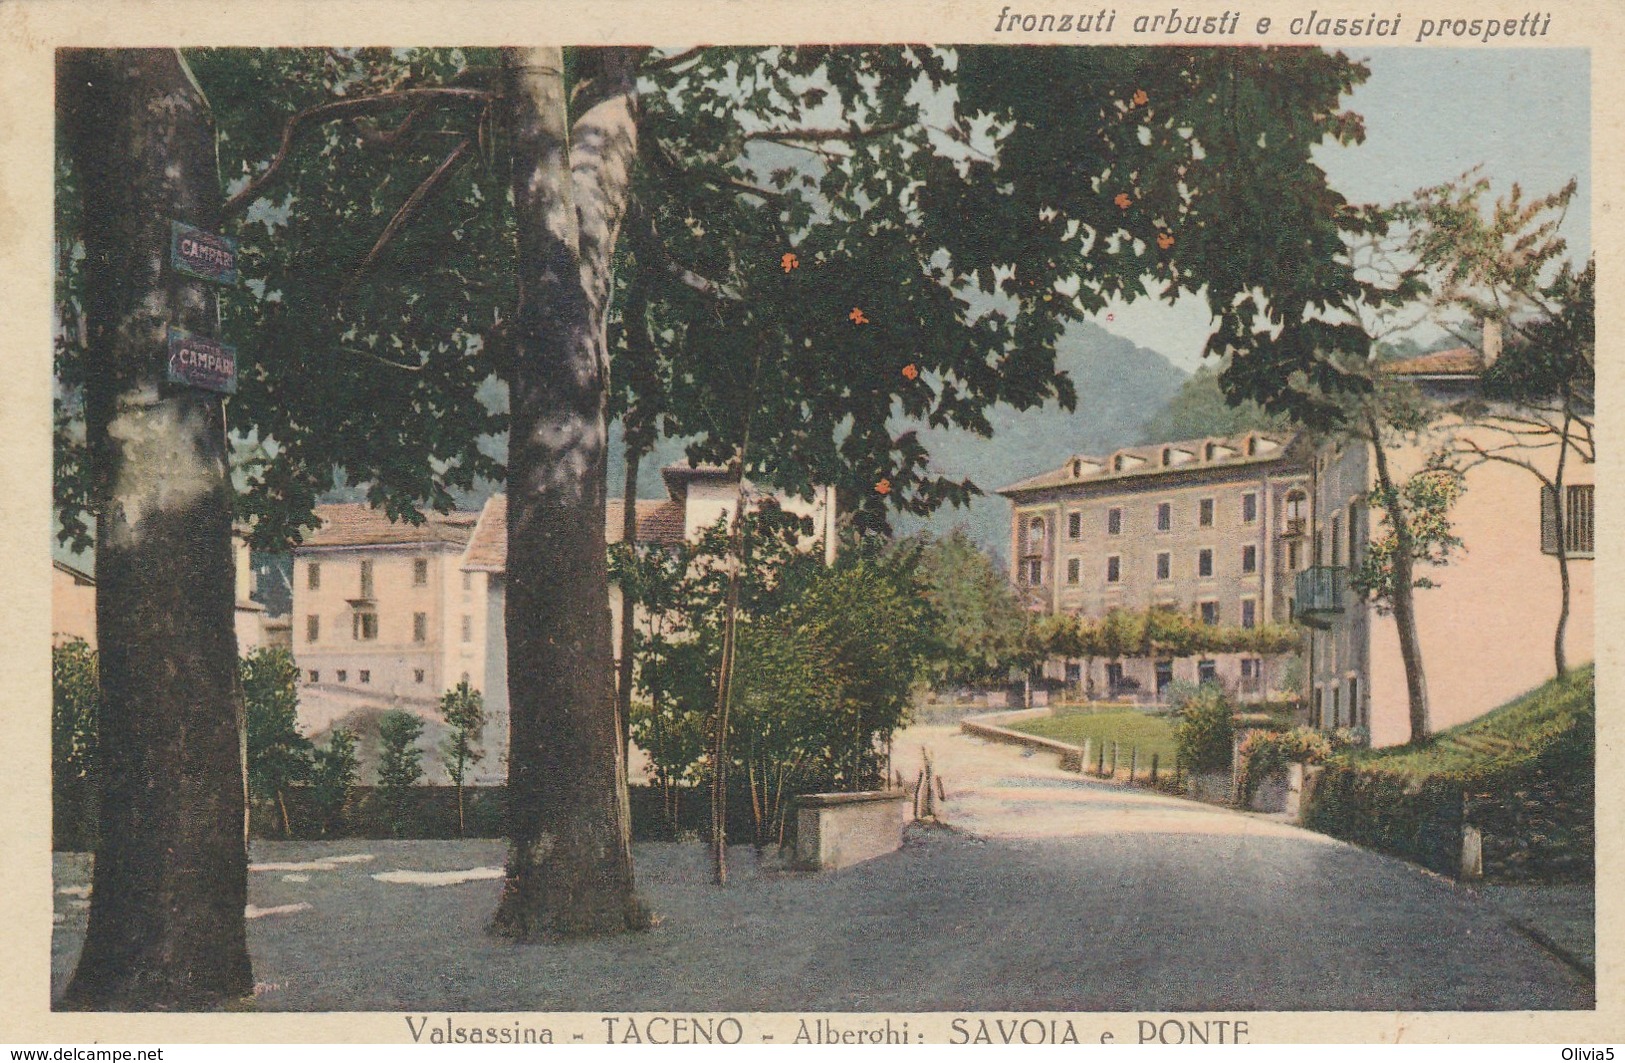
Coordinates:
x,y
166,927
570,858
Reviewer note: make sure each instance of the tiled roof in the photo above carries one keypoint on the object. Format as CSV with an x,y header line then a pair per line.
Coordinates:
x,y
659,521
1458,361
1157,459
358,524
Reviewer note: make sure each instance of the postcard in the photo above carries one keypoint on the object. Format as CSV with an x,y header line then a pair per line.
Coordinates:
x,y
970,523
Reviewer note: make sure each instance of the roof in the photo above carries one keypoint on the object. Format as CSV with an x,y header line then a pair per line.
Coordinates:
x,y
358,524
659,521
1157,459
79,576
1458,361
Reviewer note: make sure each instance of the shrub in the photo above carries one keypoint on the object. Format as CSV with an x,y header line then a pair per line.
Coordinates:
x,y
333,772
463,709
74,704
278,755
400,762
1204,733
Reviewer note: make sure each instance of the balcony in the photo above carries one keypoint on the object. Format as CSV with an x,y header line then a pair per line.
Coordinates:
x,y
1294,527
1319,594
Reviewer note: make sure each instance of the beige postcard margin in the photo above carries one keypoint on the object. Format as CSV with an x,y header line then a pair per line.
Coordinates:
x,y
31,29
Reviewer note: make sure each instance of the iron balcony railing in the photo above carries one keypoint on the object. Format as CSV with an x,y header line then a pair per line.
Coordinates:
x,y
1319,594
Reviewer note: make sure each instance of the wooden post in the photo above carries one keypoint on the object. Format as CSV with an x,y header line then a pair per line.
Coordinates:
x,y
1133,762
1153,769
1083,761
1114,760
1100,759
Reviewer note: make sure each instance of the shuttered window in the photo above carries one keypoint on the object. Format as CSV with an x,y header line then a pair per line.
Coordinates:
x,y
1579,520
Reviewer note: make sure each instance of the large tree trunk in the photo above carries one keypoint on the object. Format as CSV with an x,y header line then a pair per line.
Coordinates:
x,y
570,858
171,875
1404,594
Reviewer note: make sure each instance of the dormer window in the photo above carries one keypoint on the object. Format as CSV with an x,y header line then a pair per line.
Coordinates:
x,y
1167,456
1077,470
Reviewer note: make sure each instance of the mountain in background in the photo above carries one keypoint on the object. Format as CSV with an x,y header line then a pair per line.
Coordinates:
x,y
1121,387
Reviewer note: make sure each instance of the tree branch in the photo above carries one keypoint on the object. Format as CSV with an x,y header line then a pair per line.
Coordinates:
x,y
327,112
821,135
410,207
670,61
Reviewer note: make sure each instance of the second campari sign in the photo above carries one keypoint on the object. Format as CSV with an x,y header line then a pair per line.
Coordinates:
x,y
201,362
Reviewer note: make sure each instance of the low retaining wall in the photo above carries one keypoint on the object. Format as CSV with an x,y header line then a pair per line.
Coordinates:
x,y
839,830
989,726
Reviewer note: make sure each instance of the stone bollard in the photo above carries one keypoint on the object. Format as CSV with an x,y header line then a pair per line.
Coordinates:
x,y
1083,761
1472,853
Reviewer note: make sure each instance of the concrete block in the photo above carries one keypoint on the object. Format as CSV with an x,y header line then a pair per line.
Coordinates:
x,y
839,830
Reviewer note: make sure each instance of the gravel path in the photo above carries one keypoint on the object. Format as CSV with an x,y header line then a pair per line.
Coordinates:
x,y
1049,891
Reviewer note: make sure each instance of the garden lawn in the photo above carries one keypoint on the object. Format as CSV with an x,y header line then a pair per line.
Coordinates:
x,y
1127,727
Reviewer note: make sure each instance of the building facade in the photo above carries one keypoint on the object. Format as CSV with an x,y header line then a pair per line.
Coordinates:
x,y
390,615
1487,628
1215,527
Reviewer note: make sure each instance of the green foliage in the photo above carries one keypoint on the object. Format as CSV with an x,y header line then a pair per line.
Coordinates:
x,y
333,773
1408,799
982,626
1205,733
400,760
463,709
1200,408
75,696
278,755
1422,504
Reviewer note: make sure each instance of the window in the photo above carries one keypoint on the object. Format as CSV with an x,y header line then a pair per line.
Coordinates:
x,y
1354,702
1074,672
1249,612
344,677
1337,541
1337,706
366,579
1251,668
1204,562
1320,719
366,676
1165,675
1579,520
1032,571
468,629
1035,534
313,628
1207,671
1114,676
1354,533
1293,556
1204,513
313,576
417,675
1165,565
315,676
1074,570
468,581
1074,525
1249,559
420,627
1165,516
1114,569
420,572
1249,507
364,625
1114,521
1210,612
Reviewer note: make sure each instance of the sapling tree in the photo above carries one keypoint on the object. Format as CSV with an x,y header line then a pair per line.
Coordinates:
x,y
400,763
463,709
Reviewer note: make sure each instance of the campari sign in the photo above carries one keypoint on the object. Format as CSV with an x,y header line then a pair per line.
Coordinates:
x,y
202,254
200,362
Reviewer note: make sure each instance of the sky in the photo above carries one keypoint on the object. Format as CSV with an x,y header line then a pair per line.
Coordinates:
x,y
1431,114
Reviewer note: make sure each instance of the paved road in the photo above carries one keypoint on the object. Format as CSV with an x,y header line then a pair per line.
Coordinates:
x,y
1052,892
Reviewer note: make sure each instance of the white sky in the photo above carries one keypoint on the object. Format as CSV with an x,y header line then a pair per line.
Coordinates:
x,y
1431,114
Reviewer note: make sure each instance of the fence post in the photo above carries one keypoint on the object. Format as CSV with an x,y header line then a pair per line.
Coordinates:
x,y
1153,769
1114,760
1100,759
1133,762
1083,761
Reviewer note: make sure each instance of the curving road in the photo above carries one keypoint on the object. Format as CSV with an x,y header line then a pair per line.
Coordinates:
x,y
1053,892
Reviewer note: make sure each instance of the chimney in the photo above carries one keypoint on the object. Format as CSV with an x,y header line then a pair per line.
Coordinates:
x,y
1492,340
